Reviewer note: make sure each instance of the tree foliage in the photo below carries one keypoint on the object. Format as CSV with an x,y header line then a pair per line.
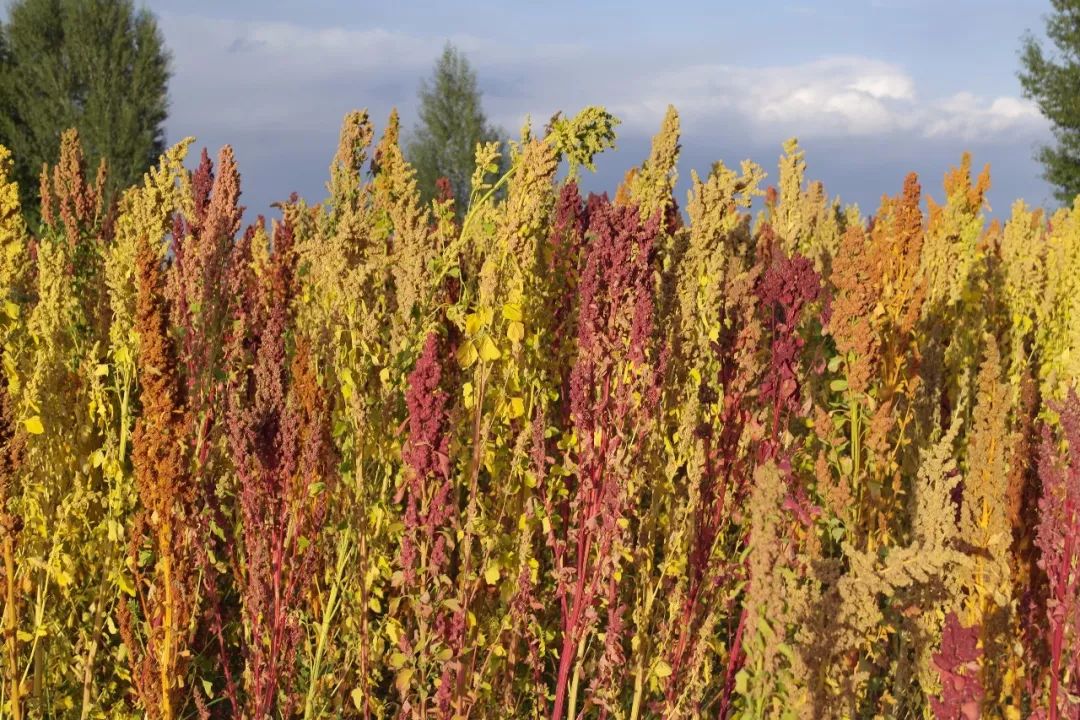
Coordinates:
x,y
452,123
96,65
1052,80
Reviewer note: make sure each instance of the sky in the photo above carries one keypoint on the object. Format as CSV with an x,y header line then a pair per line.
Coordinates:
x,y
873,89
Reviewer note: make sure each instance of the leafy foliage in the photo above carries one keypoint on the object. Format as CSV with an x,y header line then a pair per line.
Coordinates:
x,y
452,123
1047,77
96,65
550,457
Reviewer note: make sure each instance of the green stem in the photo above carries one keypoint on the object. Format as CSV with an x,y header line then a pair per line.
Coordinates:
x,y
484,198
344,552
856,445
571,711
88,666
644,647
639,687
491,191
856,456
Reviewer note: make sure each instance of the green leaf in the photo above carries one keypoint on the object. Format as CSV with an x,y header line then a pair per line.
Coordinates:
x,y
741,681
765,629
838,385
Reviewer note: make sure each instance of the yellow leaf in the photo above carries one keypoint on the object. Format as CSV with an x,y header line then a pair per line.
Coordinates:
x,y
357,696
11,309
662,669
33,425
101,370
516,332
512,311
374,604
492,574
466,354
125,584
515,408
473,323
488,351
404,677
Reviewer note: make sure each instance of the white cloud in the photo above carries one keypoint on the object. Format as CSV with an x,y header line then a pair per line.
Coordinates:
x,y
892,85
274,72
278,91
965,116
831,97
231,75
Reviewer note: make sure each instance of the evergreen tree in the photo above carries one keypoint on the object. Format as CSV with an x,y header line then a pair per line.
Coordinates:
x,y
451,123
96,65
1053,82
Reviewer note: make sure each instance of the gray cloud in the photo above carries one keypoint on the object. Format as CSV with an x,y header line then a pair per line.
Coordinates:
x,y
277,91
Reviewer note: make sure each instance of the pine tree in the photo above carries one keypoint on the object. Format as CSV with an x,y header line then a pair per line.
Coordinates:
x,y
96,65
451,123
1052,82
